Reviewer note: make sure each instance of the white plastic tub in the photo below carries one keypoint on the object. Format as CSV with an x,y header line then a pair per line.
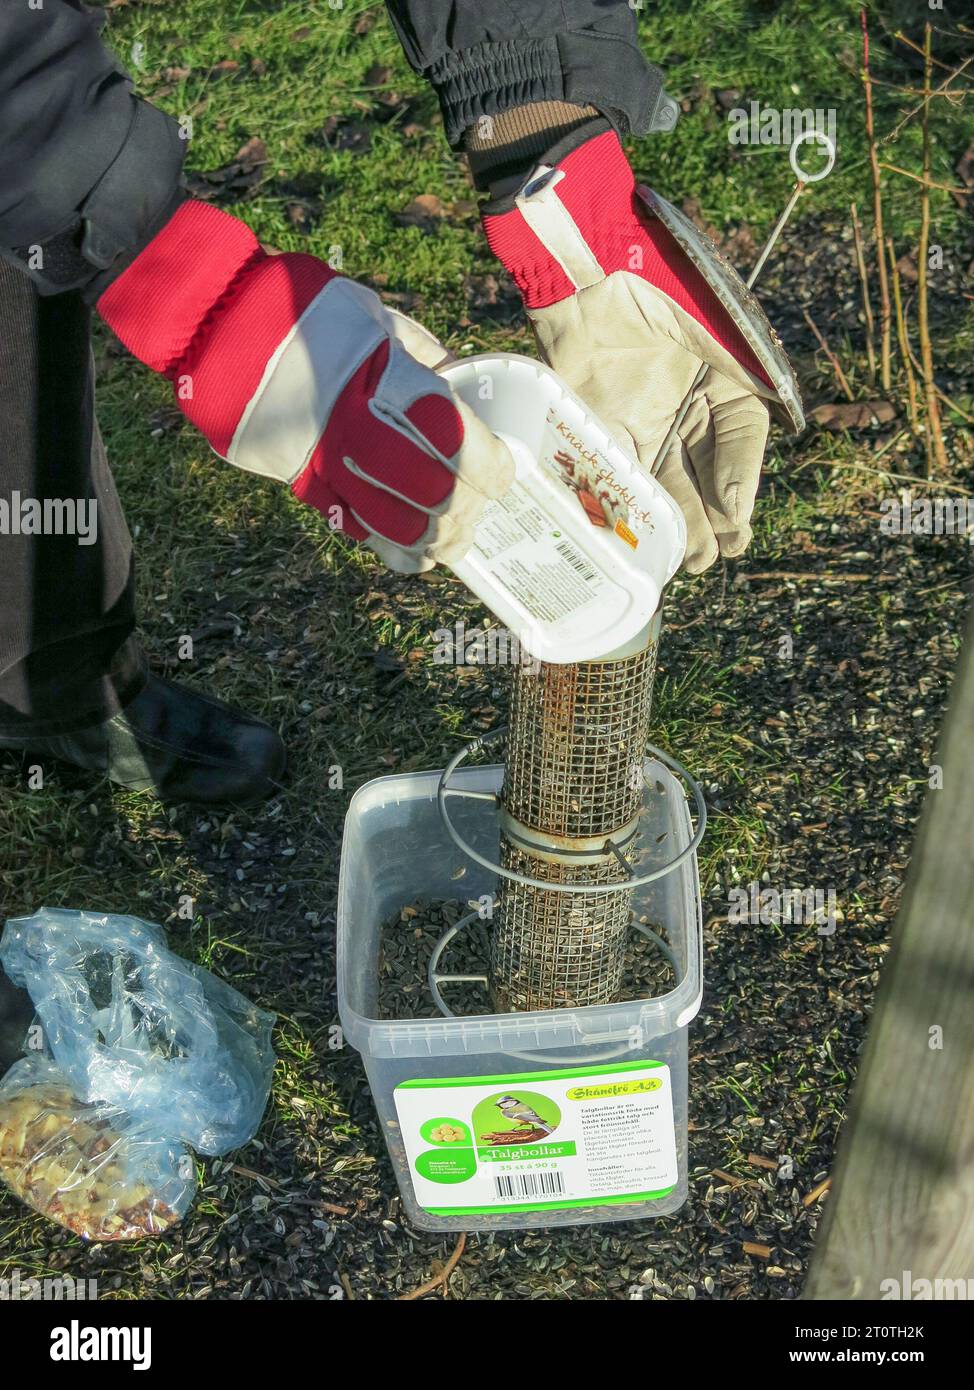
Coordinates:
x,y
395,850
573,559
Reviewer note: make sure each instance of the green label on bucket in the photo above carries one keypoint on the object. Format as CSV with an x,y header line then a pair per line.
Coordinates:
x,y
579,1137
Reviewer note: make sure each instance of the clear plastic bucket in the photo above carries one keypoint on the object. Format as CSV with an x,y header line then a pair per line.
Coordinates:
x,y
575,1073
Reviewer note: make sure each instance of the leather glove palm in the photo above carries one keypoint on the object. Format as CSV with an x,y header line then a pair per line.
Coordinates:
x,y
610,279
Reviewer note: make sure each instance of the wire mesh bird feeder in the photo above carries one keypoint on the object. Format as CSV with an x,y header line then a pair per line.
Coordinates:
x,y
572,791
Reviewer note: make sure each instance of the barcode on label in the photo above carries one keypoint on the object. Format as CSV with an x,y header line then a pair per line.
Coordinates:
x,y
550,1184
576,561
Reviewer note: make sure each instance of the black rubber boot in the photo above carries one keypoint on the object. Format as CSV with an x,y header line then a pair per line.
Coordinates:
x,y
177,743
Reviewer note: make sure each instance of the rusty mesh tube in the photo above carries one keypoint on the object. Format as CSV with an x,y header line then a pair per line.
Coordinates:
x,y
572,783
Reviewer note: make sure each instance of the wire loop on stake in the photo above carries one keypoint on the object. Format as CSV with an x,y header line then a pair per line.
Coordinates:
x,y
804,138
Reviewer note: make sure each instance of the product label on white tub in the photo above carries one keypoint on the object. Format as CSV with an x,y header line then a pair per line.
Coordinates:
x,y
580,1137
618,506
542,568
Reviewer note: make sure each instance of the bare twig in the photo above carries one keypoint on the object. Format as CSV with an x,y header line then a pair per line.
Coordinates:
x,y
936,453
438,1281
952,405
903,340
905,38
927,183
836,365
756,1248
885,313
890,443
867,307
939,91
731,1178
812,1197
952,98
257,1177
948,401
940,484
813,577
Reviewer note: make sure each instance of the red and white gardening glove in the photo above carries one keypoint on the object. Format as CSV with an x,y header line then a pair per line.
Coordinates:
x,y
624,315
291,370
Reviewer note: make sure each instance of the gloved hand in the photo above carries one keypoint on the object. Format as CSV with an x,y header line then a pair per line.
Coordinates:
x,y
291,370
627,319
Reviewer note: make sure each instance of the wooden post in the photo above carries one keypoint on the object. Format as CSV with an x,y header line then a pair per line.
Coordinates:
x,y
903,1194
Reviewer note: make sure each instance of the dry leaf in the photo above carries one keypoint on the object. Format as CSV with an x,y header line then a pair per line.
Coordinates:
x,y
342,134
489,292
965,172
251,155
482,290
406,301
423,212
299,216
853,415
242,173
739,245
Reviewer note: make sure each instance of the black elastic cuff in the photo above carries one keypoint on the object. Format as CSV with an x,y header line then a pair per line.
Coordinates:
x,y
588,69
101,279
92,687
133,200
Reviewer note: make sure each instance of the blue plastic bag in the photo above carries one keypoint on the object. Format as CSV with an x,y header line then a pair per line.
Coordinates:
x,y
132,1024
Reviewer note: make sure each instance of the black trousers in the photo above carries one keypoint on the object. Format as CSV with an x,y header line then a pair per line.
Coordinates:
x,y
69,657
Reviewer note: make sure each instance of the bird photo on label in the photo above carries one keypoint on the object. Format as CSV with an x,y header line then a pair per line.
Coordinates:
x,y
517,1110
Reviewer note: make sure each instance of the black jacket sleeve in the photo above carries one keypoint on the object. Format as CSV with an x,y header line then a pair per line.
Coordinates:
x,y
485,56
88,172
